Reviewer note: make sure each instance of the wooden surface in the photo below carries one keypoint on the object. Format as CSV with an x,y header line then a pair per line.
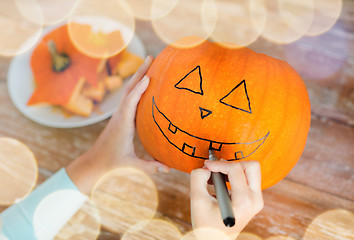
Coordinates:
x,y
322,180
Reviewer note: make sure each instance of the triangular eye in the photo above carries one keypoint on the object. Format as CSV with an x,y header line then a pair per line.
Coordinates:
x,y
192,81
238,98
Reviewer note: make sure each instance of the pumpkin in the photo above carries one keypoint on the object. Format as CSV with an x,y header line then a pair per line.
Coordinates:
x,y
239,103
57,67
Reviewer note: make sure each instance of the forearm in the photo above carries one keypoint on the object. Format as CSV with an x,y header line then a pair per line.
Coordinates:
x,y
86,170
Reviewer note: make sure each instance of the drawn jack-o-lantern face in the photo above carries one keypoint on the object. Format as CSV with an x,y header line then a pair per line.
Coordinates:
x,y
196,146
242,105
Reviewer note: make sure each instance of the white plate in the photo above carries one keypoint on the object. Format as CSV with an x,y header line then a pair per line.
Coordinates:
x,y
21,86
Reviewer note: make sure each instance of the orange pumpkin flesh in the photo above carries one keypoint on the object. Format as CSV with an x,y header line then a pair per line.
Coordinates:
x,y
244,105
66,77
55,86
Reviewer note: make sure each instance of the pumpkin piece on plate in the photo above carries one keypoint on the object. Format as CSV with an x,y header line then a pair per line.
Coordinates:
x,y
95,93
102,66
79,104
112,62
113,82
57,67
128,64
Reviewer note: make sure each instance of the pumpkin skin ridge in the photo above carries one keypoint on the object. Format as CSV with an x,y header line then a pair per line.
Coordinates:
x,y
284,111
265,184
252,131
221,143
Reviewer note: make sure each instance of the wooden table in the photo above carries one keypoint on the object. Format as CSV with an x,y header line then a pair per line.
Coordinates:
x,y
322,180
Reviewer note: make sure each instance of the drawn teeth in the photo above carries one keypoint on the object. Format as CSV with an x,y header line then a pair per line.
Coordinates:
x,y
239,155
215,146
172,128
227,149
189,150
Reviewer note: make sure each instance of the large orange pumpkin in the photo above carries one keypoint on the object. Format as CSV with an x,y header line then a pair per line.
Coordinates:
x,y
242,104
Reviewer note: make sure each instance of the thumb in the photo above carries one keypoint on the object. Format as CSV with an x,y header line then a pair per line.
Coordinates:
x,y
199,183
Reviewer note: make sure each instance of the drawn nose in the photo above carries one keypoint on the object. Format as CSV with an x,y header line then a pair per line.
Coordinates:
x,y
204,112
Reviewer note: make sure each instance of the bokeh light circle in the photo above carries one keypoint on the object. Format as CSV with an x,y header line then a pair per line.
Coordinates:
x,y
2,236
150,9
85,224
187,18
124,197
18,171
280,237
287,20
101,30
320,57
239,22
336,222
30,10
248,236
56,11
155,229
206,234
21,24
326,13
54,211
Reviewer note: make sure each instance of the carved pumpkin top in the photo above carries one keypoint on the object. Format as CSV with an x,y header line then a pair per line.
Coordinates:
x,y
56,87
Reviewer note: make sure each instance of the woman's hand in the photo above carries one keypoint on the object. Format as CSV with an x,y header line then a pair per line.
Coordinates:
x,y
114,147
246,195
115,144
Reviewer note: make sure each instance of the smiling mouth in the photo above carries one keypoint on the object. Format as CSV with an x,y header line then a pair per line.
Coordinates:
x,y
181,138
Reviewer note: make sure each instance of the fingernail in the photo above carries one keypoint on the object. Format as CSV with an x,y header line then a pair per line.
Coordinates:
x,y
145,79
163,170
147,59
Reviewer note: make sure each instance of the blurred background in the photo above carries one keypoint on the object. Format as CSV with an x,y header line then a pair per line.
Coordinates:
x,y
316,37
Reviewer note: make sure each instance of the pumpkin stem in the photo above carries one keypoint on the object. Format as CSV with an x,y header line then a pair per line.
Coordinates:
x,y
60,61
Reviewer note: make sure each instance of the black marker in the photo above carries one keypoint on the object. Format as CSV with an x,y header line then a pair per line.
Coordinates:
x,y
222,195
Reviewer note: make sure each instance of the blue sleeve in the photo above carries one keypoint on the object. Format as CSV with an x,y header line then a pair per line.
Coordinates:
x,y
44,212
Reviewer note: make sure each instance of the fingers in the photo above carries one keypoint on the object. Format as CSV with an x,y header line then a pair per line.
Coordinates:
x,y
202,203
241,175
155,166
234,171
150,166
199,182
133,91
139,74
252,171
131,102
